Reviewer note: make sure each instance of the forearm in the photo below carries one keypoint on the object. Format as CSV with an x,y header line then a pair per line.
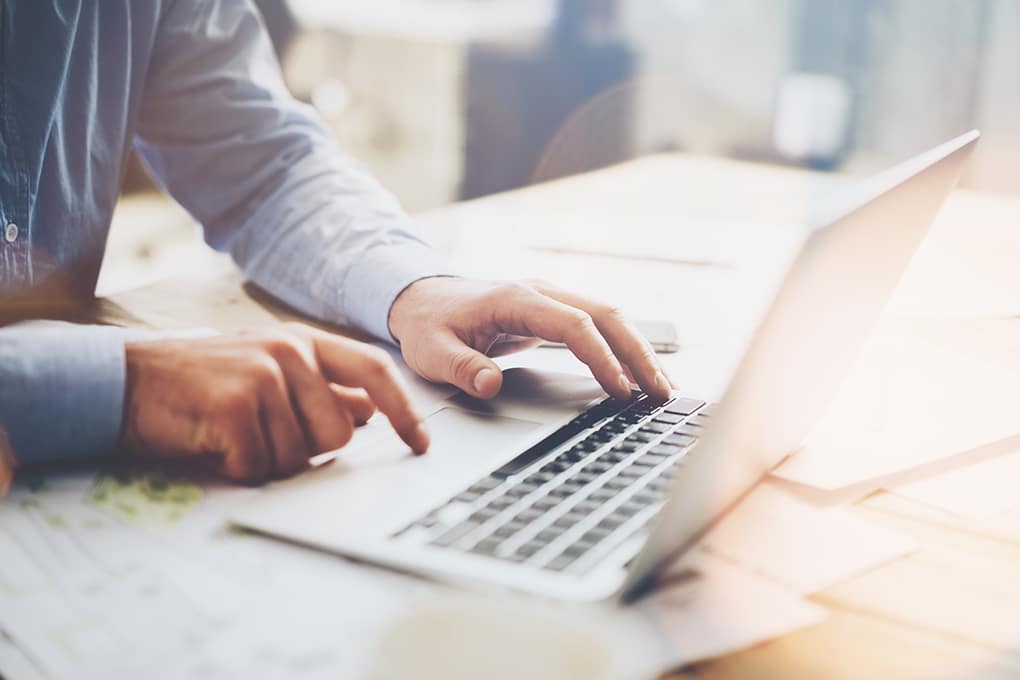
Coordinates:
x,y
265,179
331,242
61,390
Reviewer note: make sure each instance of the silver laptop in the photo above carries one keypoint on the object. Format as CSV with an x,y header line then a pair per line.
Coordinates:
x,y
556,490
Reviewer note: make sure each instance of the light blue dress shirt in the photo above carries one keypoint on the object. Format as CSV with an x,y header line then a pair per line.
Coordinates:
x,y
194,86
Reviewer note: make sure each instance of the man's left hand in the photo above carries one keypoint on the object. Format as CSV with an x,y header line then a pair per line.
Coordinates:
x,y
448,328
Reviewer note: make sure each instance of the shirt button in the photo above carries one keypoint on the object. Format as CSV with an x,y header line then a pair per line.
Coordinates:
x,y
11,233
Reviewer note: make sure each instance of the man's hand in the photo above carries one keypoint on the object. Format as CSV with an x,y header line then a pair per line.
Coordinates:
x,y
260,405
448,328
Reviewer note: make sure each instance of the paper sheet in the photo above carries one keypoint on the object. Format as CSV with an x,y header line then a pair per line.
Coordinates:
x,y
907,403
983,490
727,610
86,593
800,545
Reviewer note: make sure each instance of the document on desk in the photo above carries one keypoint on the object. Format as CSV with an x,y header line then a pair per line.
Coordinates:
x,y
723,610
799,544
982,490
91,588
907,403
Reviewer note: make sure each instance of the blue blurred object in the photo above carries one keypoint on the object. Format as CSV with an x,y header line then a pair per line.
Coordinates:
x,y
520,102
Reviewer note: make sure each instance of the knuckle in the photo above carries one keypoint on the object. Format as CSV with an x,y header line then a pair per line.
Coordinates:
x,y
520,288
513,290
582,321
265,373
236,406
377,361
283,346
461,364
610,313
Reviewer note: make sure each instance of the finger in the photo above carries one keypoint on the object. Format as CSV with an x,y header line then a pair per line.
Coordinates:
x,y
246,455
532,313
356,401
327,423
445,358
632,348
288,445
356,364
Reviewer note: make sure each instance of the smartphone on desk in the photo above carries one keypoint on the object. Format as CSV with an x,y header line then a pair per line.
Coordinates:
x,y
662,336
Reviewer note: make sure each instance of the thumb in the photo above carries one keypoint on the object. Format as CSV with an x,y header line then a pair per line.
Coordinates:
x,y
468,369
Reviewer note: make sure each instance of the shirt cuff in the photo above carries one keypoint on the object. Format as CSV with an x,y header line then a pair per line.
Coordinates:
x,y
375,281
67,400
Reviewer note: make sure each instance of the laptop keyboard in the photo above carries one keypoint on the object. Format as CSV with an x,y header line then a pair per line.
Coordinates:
x,y
577,495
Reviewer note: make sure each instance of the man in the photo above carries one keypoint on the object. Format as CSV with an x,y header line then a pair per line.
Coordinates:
x,y
193,85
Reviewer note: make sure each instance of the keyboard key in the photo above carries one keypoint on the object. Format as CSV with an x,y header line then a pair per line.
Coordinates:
x,y
567,521
618,483
484,486
595,535
630,508
501,503
529,549
665,450
611,523
554,468
681,440
576,550
613,457
487,546
562,491
598,467
455,534
684,407
625,447
639,438
602,495
632,472
586,506
560,563
528,515
655,428
549,535
546,503
483,515
667,418
505,531
697,420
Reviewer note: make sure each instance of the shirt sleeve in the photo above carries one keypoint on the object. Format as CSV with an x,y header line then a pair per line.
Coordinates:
x,y
264,177
61,390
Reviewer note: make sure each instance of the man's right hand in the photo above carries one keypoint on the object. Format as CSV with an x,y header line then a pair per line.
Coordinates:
x,y
260,405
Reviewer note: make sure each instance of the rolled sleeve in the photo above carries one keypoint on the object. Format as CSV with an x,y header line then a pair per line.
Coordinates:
x,y
375,280
262,175
61,390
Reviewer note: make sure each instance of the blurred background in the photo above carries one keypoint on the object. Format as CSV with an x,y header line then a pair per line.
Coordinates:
x,y
446,100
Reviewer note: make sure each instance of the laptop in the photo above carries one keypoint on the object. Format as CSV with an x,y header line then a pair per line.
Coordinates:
x,y
555,490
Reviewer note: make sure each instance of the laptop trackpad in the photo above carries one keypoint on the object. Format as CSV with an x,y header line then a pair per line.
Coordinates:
x,y
457,433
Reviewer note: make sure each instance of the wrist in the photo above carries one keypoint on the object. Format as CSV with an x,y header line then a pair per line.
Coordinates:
x,y
410,301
